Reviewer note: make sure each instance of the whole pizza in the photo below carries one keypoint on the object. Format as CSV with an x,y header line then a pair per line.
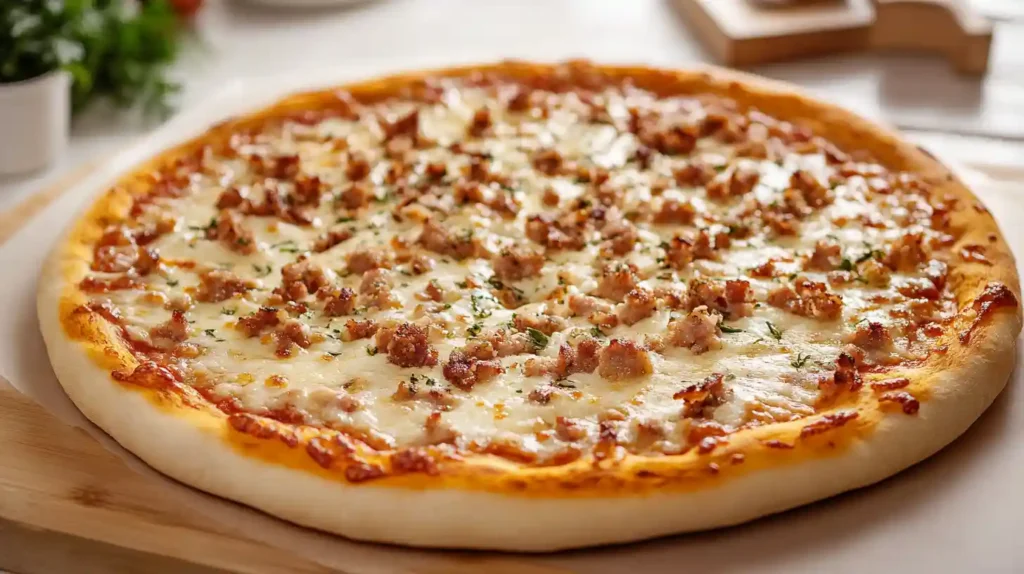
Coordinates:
x,y
530,307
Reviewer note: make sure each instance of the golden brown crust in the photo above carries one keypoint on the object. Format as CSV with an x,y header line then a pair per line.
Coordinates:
x,y
987,291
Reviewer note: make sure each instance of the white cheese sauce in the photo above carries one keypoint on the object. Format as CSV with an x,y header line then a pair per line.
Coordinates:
x,y
769,358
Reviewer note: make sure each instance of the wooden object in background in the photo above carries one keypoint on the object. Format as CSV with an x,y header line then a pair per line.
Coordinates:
x,y
748,32
947,27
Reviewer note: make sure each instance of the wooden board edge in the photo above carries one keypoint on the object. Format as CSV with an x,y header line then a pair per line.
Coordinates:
x,y
24,548
712,38
107,504
949,28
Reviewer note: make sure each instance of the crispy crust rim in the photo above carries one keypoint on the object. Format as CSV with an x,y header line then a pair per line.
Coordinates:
x,y
956,386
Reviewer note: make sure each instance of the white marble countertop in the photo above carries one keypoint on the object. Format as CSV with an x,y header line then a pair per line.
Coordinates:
x,y
975,121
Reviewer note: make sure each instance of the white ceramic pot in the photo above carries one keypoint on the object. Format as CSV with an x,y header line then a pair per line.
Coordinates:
x,y
35,120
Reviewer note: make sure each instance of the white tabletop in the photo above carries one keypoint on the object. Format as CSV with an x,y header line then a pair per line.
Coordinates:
x,y
975,121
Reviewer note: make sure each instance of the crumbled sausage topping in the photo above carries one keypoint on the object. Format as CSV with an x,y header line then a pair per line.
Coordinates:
x,y
534,271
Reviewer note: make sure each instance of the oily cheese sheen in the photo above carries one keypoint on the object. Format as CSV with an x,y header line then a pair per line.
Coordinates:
x,y
598,303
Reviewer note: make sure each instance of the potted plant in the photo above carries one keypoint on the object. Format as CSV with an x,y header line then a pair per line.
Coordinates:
x,y
56,56
35,95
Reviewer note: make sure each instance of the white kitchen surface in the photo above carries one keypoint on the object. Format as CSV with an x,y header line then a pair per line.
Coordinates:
x,y
976,121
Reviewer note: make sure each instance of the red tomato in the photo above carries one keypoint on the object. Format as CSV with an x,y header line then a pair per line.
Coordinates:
x,y
186,8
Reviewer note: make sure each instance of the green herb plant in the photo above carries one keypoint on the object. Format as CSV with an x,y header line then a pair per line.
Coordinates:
x,y
114,49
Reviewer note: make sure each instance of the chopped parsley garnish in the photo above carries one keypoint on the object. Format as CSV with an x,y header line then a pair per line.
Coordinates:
x,y
479,310
172,282
727,329
287,246
775,332
846,264
497,284
334,353
800,360
263,270
371,350
474,329
213,333
564,384
211,225
537,338
345,219
227,311
597,332
871,253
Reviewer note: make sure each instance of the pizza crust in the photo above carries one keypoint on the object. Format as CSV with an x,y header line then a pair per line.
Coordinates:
x,y
485,520
194,447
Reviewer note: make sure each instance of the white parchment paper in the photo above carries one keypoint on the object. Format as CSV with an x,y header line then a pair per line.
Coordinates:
x,y
960,511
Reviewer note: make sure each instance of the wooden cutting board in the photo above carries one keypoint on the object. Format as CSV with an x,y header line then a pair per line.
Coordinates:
x,y
751,32
68,505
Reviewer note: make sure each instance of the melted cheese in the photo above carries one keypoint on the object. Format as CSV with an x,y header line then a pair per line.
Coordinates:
x,y
765,371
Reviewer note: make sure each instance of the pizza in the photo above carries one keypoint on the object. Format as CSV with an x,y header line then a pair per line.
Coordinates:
x,y
531,307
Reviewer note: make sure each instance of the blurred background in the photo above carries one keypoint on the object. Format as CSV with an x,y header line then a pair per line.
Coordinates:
x,y
974,119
